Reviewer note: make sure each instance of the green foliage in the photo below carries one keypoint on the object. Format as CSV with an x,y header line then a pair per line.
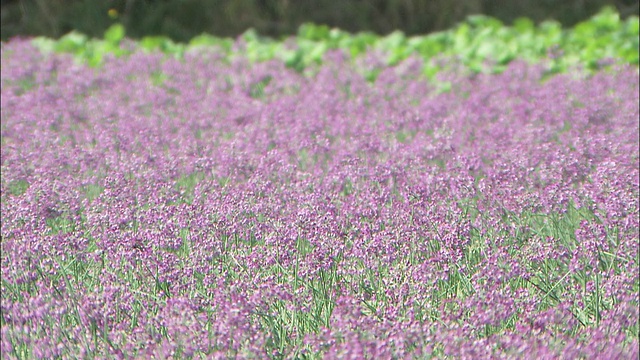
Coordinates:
x,y
257,89
181,20
481,43
185,185
114,34
92,191
60,224
89,50
163,44
18,187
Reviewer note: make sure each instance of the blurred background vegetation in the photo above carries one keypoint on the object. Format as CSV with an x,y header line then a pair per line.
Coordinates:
x,y
181,20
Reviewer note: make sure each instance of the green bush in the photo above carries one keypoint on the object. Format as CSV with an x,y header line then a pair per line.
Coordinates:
x,y
481,43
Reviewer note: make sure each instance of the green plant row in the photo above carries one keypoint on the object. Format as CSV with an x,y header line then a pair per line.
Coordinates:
x,y
481,43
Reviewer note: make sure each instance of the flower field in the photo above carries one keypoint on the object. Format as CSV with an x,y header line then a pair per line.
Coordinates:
x,y
216,207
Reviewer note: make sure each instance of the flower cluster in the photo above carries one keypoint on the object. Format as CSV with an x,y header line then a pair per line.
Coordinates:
x,y
212,208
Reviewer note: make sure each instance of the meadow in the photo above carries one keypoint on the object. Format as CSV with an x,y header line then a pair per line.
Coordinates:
x,y
208,202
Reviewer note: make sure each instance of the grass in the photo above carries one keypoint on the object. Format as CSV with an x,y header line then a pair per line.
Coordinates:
x,y
550,279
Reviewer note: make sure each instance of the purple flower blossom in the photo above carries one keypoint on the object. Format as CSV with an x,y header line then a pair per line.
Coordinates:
x,y
169,208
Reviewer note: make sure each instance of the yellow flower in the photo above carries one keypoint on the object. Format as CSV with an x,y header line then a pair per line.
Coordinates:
x,y
113,13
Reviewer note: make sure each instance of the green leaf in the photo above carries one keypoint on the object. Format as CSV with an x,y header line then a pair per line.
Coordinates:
x,y
114,34
256,90
317,51
395,39
607,18
44,44
293,60
72,42
163,44
314,32
250,36
207,40
152,42
633,25
523,25
483,21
